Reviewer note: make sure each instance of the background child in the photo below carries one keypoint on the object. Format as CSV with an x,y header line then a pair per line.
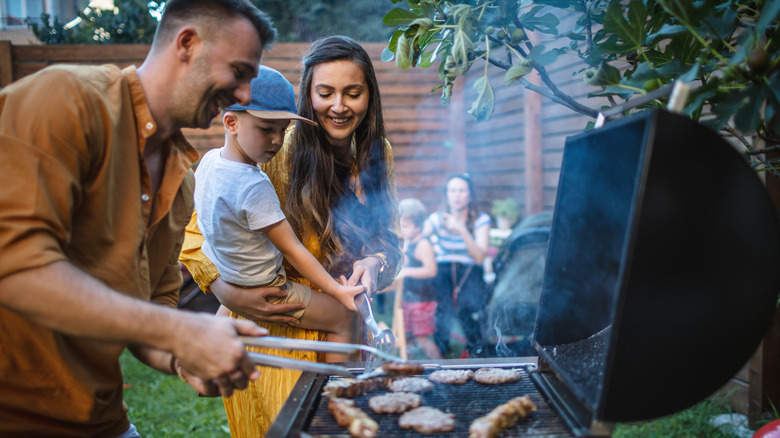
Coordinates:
x,y
241,219
419,299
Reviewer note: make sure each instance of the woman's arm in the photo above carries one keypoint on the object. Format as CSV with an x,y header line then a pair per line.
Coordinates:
x,y
251,303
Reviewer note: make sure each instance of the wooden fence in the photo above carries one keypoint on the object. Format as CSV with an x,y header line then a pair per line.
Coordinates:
x,y
430,140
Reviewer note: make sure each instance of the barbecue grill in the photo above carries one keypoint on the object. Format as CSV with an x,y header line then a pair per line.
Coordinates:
x,y
660,281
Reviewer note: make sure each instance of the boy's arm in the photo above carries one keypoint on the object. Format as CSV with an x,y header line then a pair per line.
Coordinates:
x,y
425,254
284,239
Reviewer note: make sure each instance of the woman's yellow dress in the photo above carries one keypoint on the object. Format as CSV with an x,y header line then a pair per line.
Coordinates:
x,y
250,412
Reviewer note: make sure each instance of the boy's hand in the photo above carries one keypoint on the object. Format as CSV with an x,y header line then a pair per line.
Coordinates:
x,y
345,294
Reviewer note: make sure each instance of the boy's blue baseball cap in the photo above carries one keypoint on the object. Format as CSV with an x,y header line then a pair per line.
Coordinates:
x,y
273,98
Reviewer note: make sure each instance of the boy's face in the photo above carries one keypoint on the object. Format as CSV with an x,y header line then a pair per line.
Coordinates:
x,y
408,229
259,139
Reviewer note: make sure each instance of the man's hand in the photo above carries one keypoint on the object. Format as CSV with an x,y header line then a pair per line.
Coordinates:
x,y
252,303
211,388
207,347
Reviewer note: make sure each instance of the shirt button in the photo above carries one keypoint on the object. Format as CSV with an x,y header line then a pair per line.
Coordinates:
x,y
145,197
149,125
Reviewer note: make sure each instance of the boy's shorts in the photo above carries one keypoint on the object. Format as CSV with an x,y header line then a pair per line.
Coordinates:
x,y
420,318
296,293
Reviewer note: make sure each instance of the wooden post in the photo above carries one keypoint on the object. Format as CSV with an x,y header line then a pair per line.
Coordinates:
x,y
534,181
6,63
458,158
764,366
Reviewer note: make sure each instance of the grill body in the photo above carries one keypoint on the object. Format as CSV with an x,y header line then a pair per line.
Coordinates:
x,y
660,281
306,411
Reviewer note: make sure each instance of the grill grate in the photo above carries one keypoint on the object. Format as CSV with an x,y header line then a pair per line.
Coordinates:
x,y
468,402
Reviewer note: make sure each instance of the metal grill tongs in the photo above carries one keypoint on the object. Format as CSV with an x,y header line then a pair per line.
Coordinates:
x,y
303,365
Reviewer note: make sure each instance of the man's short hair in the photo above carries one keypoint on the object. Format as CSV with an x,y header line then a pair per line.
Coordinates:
x,y
413,210
212,15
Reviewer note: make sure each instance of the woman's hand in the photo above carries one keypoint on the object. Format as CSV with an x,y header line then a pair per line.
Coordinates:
x,y
252,303
454,224
366,272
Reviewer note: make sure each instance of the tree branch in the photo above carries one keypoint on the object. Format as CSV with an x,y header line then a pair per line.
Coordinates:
x,y
757,154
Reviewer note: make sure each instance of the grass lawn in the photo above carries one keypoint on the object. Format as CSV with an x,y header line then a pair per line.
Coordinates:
x,y
690,423
164,406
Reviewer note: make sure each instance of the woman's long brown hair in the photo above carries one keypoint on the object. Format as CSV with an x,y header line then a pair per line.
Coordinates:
x,y
320,201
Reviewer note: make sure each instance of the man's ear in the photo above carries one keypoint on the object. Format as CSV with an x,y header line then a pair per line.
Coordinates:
x,y
230,120
187,42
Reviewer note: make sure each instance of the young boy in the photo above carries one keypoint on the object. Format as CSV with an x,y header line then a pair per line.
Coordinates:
x,y
419,300
246,234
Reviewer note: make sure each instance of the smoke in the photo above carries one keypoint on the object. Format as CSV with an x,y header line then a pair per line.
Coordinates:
x,y
501,349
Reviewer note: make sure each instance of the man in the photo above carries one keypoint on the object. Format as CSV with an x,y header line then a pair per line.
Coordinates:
x,y
97,189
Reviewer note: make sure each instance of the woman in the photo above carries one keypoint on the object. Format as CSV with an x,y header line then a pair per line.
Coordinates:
x,y
462,237
335,183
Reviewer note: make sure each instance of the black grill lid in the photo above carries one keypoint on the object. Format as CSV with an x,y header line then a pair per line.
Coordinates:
x,y
662,270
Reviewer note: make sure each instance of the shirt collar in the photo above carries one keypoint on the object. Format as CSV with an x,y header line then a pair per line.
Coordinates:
x,y
145,124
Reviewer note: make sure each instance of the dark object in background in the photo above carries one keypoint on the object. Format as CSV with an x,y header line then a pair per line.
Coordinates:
x,y
192,298
661,276
519,268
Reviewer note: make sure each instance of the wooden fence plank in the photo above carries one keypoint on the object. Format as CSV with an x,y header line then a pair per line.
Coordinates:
x,y
93,53
6,64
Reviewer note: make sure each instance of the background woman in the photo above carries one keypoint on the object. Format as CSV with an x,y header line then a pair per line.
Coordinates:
x,y
336,186
462,237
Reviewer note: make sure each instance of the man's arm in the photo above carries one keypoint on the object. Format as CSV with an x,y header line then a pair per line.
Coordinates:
x,y
66,299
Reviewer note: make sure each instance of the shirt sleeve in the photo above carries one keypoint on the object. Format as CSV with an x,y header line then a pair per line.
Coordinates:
x,y
44,152
203,271
261,206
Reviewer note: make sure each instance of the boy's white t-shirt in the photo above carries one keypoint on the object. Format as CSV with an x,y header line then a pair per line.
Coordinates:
x,y
233,202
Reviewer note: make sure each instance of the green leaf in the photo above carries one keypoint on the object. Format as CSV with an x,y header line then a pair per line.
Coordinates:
x,y
387,54
423,25
684,48
462,51
748,115
673,69
399,17
630,29
403,53
718,25
517,71
426,60
774,88
691,74
540,55
561,4
547,23
394,40
769,15
667,31
657,58
482,108
602,76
